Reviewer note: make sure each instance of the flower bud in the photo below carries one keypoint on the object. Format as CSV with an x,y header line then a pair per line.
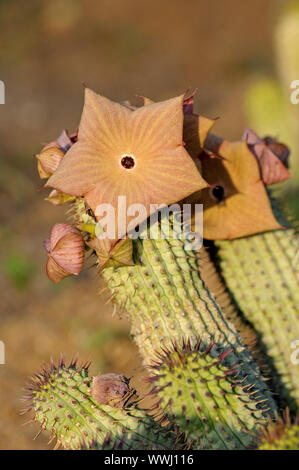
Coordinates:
x,y
111,389
52,154
65,249
48,161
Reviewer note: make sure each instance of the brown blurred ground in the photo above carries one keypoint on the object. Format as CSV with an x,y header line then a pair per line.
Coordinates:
x,y
120,48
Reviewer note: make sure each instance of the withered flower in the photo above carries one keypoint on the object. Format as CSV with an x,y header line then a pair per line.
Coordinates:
x,y
237,205
65,249
111,389
271,155
134,153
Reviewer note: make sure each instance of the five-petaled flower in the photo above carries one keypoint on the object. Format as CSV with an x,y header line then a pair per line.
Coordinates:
x,y
134,153
237,205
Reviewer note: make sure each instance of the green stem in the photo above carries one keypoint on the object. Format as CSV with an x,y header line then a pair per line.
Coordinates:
x,y
260,272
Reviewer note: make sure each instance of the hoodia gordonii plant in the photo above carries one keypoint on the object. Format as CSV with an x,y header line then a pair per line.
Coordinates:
x,y
259,269
199,360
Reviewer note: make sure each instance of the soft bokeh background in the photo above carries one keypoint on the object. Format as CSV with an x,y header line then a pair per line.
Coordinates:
x,y
228,50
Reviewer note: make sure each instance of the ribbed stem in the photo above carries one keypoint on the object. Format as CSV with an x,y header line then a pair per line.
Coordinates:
x,y
205,398
62,403
260,272
167,301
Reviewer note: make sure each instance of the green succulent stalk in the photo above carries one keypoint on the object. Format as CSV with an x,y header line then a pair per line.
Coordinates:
x,y
62,402
206,398
167,300
281,434
261,275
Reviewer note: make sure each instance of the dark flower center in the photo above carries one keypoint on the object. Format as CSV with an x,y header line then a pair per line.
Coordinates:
x,y
218,193
127,162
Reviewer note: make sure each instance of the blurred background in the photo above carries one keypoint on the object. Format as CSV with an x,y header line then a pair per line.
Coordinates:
x,y
242,57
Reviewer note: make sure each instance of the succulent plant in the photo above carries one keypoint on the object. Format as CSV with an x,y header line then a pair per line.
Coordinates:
x,y
200,354
82,412
259,269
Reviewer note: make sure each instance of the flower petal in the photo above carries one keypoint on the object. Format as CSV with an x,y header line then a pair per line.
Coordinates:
x,y
47,245
245,208
196,129
59,231
271,155
55,273
272,169
65,252
48,161
81,170
103,119
69,253
158,125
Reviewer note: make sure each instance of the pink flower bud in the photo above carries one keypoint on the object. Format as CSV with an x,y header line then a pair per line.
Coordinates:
x,y
65,249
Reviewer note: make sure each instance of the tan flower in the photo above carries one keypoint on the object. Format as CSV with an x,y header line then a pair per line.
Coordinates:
x,y
237,205
65,249
134,153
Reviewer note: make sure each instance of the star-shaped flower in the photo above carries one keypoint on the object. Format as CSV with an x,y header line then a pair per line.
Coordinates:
x,y
237,205
134,153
